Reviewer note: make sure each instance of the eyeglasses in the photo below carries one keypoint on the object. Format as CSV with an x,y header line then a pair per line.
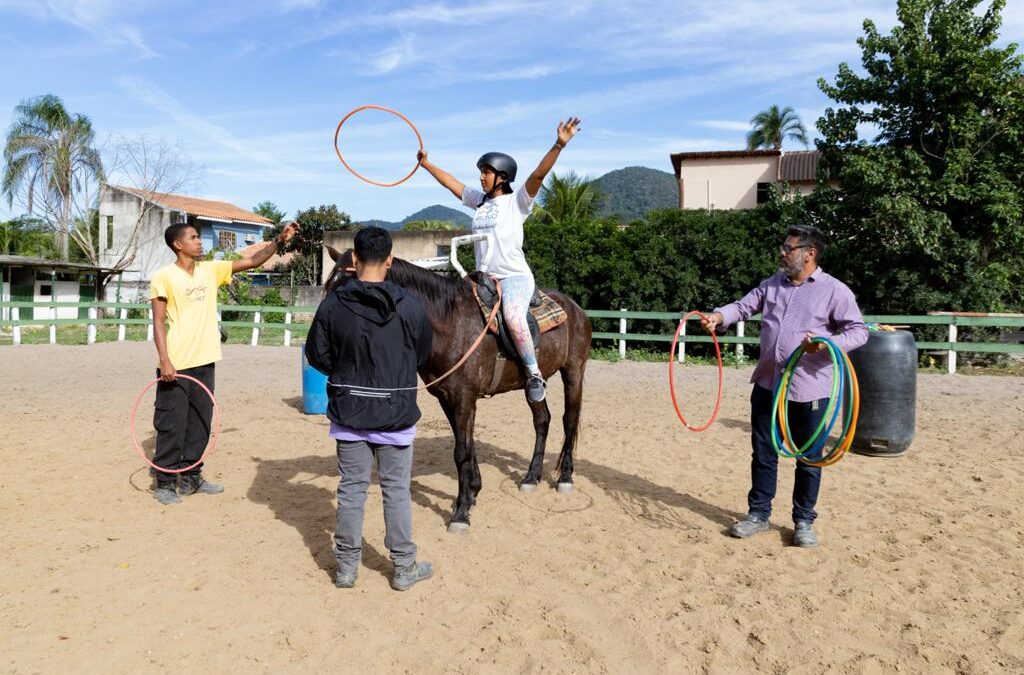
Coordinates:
x,y
786,249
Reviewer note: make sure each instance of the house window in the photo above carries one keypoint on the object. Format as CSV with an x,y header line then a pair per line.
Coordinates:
x,y
763,192
227,241
45,290
110,232
444,251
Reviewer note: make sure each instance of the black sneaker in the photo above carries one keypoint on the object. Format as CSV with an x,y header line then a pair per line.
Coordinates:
x,y
407,577
166,495
196,484
536,389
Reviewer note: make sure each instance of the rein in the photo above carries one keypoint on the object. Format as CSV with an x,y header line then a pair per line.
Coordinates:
x,y
458,364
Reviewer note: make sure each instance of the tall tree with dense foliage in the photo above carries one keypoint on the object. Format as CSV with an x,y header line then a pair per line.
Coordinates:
x,y
309,240
932,208
269,210
50,164
567,197
774,125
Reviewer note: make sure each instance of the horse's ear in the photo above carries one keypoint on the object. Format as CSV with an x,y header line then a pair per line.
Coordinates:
x,y
333,252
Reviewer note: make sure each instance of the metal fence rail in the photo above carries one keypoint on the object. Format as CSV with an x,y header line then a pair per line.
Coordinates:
x,y
10,320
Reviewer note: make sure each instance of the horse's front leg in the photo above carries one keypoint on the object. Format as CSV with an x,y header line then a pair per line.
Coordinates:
x,y
541,422
461,415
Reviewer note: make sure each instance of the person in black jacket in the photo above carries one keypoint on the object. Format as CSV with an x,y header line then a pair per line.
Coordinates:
x,y
370,336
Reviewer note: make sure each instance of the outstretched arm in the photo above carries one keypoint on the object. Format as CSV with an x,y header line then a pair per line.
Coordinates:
x,y
263,255
443,177
566,130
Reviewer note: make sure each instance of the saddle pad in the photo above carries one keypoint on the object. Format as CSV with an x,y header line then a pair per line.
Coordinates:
x,y
548,313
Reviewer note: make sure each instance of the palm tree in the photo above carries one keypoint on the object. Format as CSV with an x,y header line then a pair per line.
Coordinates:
x,y
49,160
567,197
772,126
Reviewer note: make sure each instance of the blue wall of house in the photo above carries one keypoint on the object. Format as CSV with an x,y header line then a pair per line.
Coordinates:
x,y
245,235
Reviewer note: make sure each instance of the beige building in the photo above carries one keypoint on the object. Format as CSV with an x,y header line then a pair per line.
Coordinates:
x,y
739,179
415,246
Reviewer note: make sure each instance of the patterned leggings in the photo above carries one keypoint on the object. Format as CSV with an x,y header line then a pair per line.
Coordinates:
x,y
516,292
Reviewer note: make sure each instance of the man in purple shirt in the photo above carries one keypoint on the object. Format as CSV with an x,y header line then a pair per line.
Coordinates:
x,y
370,336
797,303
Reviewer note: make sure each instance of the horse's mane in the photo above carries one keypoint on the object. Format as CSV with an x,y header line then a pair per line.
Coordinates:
x,y
438,293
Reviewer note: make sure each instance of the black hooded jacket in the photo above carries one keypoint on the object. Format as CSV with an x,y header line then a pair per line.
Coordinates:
x,y
369,338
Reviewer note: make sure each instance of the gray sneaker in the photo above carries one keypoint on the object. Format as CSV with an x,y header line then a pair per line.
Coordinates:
x,y
536,389
749,526
407,577
345,579
803,535
166,495
196,484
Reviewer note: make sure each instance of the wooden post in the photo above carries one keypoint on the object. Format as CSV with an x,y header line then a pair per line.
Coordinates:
x,y
287,333
255,330
15,317
622,331
951,357
121,326
90,331
149,328
740,332
682,343
53,326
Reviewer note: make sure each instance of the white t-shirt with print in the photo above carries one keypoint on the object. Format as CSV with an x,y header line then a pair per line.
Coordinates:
x,y
501,218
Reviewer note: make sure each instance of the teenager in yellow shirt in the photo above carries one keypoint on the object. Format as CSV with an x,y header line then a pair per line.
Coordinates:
x,y
185,294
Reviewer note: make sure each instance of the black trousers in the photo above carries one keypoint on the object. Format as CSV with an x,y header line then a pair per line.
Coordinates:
x,y
764,463
182,416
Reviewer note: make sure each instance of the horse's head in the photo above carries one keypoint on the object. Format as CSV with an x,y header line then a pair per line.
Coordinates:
x,y
344,269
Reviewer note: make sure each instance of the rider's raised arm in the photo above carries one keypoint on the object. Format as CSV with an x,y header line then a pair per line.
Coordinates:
x,y
566,130
443,177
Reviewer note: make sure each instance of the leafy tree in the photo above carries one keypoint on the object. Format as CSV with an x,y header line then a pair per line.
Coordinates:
x,y
431,225
567,197
268,209
930,213
50,164
308,241
27,237
772,126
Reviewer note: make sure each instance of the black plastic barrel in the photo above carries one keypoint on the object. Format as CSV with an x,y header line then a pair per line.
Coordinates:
x,y
886,367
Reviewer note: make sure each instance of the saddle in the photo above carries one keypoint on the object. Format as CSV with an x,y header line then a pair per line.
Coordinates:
x,y
544,315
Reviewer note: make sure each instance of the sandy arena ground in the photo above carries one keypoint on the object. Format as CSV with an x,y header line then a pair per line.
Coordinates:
x,y
921,567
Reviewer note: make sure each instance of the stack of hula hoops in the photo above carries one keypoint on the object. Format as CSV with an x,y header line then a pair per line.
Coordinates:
x,y
845,396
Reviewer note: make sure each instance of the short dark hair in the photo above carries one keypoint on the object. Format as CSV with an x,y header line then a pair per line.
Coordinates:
x,y
174,233
809,235
373,244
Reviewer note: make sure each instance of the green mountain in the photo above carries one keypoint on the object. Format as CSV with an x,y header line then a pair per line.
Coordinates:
x,y
631,192
435,212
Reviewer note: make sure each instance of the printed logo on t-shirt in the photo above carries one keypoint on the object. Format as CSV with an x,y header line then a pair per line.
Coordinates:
x,y
486,217
196,293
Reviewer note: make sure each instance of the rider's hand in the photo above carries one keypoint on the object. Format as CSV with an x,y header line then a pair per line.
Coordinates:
x,y
568,129
421,156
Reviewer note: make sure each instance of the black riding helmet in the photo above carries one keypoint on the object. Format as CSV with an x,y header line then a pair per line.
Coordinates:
x,y
502,164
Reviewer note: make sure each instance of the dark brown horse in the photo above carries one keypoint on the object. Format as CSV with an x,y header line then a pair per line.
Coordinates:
x,y
456,321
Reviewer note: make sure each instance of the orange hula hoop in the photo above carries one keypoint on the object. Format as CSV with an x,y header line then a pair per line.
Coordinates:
x,y
214,427
671,382
355,173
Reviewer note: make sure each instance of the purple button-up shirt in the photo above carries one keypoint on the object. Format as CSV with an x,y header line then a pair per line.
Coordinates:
x,y
822,305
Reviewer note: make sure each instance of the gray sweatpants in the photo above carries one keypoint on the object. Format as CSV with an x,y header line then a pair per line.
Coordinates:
x,y
394,468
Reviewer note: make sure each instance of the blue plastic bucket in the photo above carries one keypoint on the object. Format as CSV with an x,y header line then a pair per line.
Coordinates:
x,y
314,388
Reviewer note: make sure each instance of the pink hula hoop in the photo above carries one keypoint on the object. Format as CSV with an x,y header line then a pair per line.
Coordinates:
x,y
214,427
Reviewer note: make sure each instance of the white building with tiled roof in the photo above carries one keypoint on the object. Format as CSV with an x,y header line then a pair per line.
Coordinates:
x,y
739,179
128,228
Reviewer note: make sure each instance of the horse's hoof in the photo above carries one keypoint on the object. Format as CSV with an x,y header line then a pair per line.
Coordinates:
x,y
565,488
458,528
527,487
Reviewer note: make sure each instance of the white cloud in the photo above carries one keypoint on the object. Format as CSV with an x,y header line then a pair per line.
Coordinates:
x,y
725,125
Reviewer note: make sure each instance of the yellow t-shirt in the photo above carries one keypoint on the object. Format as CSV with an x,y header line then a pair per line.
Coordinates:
x,y
192,335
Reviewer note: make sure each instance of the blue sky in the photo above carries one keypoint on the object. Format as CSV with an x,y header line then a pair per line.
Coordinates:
x,y
252,91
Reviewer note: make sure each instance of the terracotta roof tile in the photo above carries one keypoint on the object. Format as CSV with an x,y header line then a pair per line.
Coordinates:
x,y
204,208
799,166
